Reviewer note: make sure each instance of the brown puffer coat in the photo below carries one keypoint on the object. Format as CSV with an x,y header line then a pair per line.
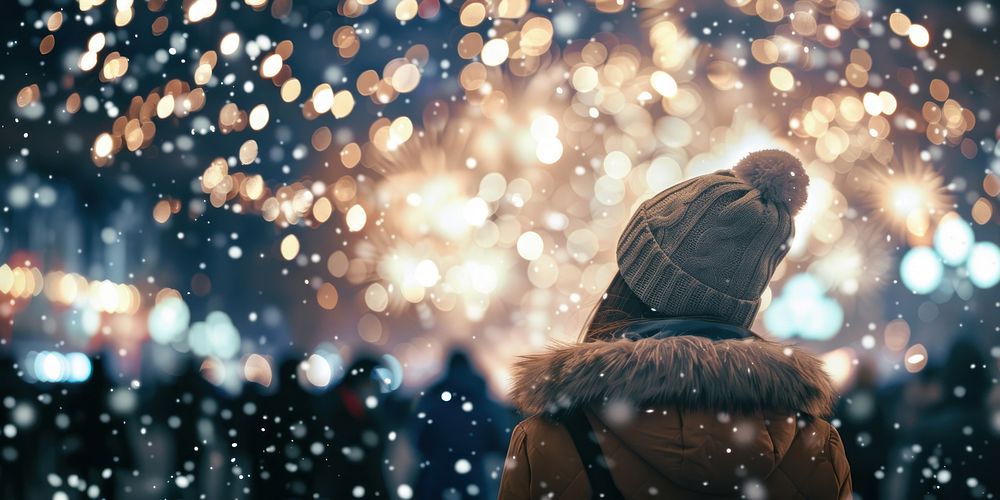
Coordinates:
x,y
657,406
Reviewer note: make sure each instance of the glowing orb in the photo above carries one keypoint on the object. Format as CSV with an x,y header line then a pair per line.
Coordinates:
x,y
804,310
984,264
921,270
549,150
426,273
544,127
318,372
50,367
530,245
356,218
79,367
168,320
953,240
906,199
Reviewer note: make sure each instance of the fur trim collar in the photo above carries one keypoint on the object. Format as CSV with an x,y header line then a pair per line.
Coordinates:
x,y
740,376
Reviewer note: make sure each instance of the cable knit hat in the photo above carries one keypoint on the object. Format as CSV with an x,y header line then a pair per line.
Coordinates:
x,y
709,245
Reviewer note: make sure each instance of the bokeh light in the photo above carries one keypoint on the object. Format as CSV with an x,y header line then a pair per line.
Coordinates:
x,y
921,270
984,264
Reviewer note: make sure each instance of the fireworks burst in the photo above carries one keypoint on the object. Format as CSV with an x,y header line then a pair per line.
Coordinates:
x,y
481,173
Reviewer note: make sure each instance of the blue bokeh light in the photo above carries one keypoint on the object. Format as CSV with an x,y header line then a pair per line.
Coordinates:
x,y
921,270
953,240
168,320
802,309
984,264
390,373
50,366
79,367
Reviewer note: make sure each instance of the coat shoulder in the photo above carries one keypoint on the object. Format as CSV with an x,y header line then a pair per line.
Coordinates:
x,y
816,464
554,466
544,437
539,424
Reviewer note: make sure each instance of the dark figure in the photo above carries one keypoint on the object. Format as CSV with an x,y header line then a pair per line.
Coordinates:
x,y
958,449
287,428
458,427
178,408
19,430
252,420
351,465
904,402
105,450
228,444
865,431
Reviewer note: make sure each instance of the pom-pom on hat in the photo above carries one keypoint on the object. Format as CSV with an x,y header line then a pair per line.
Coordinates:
x,y
708,246
778,176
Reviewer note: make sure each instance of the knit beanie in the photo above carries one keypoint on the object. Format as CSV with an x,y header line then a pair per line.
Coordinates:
x,y
708,246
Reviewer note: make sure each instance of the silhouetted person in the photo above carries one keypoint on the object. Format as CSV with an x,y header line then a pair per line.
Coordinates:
x,y
458,427
351,465
105,449
904,401
228,443
18,432
864,431
285,464
178,407
958,448
253,417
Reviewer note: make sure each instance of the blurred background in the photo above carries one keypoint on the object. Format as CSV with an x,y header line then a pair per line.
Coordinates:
x,y
270,249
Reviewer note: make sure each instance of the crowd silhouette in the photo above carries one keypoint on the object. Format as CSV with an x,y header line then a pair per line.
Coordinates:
x,y
183,437
929,435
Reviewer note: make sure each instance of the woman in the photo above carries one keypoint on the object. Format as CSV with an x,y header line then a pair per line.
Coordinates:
x,y
670,395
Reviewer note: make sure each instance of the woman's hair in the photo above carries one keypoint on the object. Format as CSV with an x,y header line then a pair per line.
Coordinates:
x,y
616,310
